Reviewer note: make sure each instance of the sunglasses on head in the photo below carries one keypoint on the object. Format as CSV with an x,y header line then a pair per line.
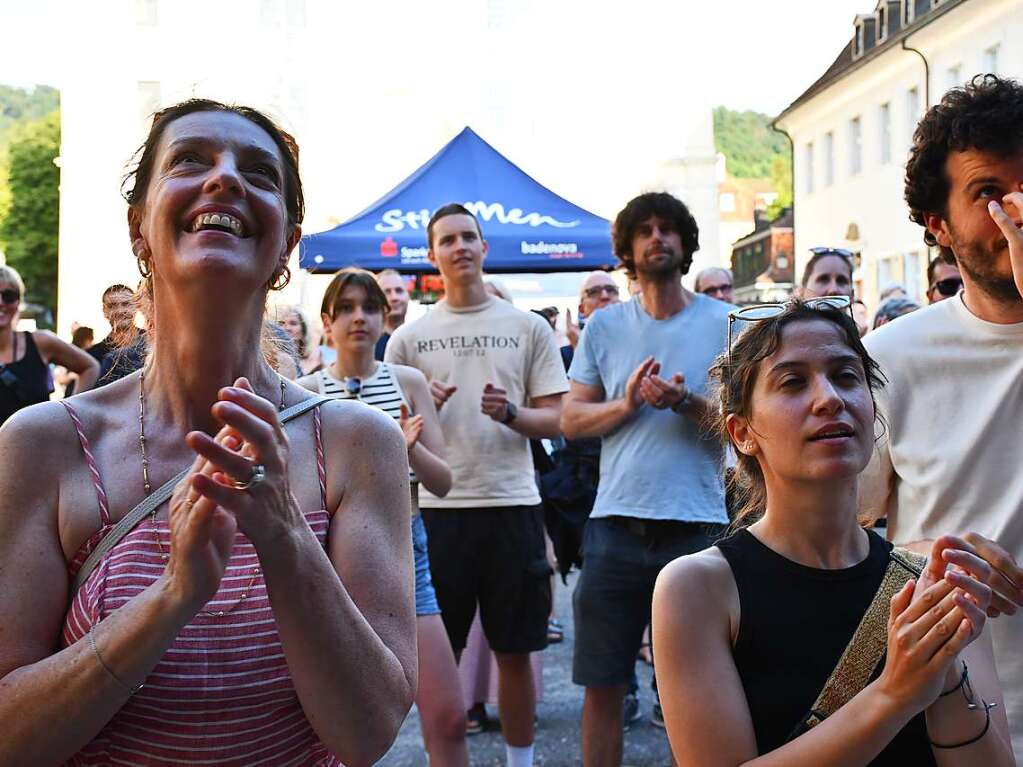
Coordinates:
x,y
596,290
948,287
822,250
10,296
760,312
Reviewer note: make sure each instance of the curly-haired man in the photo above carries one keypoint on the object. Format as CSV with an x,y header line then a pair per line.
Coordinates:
x,y
950,457
660,491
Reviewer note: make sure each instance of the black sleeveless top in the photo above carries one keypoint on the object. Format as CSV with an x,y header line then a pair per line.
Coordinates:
x,y
23,382
795,623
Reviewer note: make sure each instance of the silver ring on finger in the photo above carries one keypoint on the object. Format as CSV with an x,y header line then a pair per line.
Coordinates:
x,y
258,475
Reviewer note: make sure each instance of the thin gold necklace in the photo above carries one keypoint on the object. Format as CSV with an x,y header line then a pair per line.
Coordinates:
x,y
164,555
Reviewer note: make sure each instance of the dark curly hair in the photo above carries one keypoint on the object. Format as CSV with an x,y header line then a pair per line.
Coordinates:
x,y
669,209
985,115
734,376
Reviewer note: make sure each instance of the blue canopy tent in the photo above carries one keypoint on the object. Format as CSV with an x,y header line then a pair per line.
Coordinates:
x,y
528,227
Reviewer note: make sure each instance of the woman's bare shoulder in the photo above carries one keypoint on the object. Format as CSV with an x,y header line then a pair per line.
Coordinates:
x,y
700,585
706,571
44,433
408,375
36,430
349,421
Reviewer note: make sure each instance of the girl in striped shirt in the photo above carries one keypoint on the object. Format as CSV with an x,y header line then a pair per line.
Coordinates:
x,y
353,308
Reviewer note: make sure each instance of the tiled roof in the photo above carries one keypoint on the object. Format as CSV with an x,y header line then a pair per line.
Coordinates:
x,y
844,63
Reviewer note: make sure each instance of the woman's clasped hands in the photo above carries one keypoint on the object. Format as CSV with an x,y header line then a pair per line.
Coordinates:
x,y
932,619
238,481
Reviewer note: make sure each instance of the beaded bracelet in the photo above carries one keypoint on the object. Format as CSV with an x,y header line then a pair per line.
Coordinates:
x,y
92,644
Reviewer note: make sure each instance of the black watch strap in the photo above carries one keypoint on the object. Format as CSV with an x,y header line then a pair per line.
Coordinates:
x,y
511,412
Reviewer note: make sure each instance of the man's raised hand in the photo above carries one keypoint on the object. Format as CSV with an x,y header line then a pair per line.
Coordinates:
x,y
441,393
633,387
1003,217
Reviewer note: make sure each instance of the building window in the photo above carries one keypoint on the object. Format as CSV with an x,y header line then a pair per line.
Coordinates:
x,y
911,275
296,14
829,158
146,14
809,168
884,273
886,134
954,76
882,24
858,40
907,12
148,99
270,13
855,146
912,110
991,60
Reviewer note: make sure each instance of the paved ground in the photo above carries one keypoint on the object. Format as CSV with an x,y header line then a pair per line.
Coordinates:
x,y
557,737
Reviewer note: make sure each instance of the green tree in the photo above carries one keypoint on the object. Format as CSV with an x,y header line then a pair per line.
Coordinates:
x,y
747,142
29,230
19,105
781,179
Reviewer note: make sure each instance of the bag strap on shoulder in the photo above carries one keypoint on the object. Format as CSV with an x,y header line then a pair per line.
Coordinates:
x,y
153,501
868,644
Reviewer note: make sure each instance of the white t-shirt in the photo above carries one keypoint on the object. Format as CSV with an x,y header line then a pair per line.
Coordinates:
x,y
495,343
952,460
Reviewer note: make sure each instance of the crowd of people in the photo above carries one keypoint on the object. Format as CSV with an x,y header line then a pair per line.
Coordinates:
x,y
242,543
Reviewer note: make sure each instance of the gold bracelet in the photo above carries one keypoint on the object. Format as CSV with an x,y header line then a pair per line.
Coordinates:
x,y
92,644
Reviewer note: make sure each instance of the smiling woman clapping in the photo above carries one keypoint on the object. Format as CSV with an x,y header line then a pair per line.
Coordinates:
x,y
263,614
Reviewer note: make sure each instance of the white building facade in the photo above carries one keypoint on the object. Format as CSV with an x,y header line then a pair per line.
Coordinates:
x,y
852,129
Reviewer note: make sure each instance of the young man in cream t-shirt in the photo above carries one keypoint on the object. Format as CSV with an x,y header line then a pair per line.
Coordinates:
x,y
497,376
951,458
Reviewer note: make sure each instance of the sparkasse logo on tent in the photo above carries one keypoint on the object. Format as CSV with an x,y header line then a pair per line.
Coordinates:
x,y
388,248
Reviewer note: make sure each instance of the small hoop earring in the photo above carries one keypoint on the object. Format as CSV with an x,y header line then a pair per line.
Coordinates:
x,y
277,283
142,264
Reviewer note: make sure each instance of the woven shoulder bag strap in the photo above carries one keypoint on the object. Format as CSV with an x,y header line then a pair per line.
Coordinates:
x,y
153,501
868,644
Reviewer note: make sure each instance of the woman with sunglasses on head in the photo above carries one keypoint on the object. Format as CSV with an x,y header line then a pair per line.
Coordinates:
x,y
354,309
771,635
829,272
262,612
25,357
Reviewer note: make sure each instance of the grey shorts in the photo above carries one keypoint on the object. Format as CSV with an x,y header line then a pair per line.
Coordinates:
x,y
611,603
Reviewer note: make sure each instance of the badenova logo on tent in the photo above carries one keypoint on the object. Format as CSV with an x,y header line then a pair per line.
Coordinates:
x,y
542,248
396,219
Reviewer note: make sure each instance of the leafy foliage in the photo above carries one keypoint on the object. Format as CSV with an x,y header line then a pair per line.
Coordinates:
x,y
29,230
753,150
781,179
747,142
18,105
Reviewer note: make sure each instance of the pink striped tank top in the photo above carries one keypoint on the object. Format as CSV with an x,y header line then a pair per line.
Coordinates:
x,y
222,694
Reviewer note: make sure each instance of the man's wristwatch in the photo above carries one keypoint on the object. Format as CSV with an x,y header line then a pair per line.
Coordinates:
x,y
683,403
511,412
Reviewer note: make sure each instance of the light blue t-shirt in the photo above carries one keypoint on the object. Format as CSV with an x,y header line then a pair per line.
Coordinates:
x,y
658,464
